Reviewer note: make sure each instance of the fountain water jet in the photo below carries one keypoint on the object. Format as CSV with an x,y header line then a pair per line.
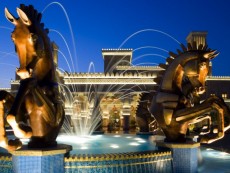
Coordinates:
x,y
81,110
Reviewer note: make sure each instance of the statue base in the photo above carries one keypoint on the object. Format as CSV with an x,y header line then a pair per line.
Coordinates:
x,y
185,156
47,160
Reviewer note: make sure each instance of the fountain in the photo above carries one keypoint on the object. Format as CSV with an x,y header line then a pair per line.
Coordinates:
x,y
175,105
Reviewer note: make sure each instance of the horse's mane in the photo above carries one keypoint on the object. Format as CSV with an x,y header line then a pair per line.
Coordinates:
x,y
180,56
34,16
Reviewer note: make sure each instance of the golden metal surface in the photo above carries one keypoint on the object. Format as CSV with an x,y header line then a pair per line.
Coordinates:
x,y
108,157
60,149
178,145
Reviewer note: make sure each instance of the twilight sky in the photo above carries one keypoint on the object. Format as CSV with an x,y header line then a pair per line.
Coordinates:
x,y
156,25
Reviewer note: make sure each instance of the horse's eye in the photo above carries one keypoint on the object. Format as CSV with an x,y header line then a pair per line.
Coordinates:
x,y
202,65
34,37
30,39
13,37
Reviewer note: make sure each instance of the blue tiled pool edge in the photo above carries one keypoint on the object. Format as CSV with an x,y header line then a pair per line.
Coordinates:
x,y
6,165
209,160
144,162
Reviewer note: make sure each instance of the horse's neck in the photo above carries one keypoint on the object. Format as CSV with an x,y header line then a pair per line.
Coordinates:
x,y
168,79
44,70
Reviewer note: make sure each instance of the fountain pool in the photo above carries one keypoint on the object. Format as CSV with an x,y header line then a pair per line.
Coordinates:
x,y
116,153
111,143
211,161
125,153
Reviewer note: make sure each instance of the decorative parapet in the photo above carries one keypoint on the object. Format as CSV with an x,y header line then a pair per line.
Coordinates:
x,y
109,75
125,81
147,68
112,50
6,89
227,78
15,82
117,52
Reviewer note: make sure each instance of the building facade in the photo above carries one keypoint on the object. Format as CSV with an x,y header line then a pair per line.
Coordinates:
x,y
113,97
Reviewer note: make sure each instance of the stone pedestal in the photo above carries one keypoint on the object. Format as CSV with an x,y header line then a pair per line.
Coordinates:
x,y
47,160
185,156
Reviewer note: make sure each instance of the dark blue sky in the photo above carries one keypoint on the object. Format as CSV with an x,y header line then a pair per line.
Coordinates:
x,y
98,24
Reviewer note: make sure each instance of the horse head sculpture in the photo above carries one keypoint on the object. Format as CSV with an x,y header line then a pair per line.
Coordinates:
x,y
177,104
38,95
32,43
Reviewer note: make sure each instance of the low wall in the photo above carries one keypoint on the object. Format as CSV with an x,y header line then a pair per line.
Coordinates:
x,y
144,162
6,165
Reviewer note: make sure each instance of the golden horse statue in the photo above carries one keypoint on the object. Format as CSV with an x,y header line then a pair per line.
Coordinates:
x,y
37,110
177,104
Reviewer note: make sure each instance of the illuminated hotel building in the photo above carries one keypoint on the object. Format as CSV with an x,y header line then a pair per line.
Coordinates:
x,y
116,93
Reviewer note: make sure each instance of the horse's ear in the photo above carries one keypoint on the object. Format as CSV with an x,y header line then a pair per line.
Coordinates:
x,y
23,17
10,17
211,55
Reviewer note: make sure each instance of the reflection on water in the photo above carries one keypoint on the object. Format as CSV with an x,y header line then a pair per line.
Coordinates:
x,y
210,161
213,161
101,144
